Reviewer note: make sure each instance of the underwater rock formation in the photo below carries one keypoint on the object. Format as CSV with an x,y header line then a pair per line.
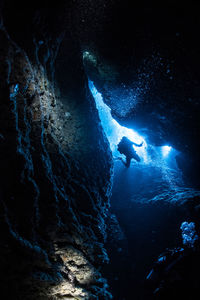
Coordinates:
x,y
175,273
56,164
56,167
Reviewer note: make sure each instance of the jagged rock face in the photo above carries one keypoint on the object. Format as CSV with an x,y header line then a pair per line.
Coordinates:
x,y
56,170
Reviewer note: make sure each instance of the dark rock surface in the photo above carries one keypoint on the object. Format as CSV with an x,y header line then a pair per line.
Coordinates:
x,y
56,165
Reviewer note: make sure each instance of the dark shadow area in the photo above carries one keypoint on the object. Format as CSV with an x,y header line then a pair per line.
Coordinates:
x,y
150,226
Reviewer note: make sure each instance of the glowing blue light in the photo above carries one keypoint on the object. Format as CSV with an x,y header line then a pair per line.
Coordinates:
x,y
166,150
113,130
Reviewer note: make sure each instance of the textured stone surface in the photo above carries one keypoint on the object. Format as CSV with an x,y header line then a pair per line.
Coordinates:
x,y
55,174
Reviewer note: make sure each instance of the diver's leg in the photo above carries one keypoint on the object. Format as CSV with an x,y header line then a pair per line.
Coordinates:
x,y
128,161
136,156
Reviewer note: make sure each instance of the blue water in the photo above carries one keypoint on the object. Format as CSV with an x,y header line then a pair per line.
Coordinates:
x,y
148,200
157,157
113,130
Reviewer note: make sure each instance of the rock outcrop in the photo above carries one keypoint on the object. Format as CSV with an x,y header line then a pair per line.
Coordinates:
x,y
56,165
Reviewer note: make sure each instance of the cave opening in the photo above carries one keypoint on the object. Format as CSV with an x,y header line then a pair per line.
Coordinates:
x,y
145,197
157,156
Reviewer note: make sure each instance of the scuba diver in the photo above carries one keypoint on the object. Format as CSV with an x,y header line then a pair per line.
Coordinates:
x,y
125,147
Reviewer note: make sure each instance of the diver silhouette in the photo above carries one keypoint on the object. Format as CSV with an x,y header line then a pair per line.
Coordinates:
x,y
125,147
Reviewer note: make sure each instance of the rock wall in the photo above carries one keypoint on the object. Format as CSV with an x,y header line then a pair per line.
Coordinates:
x,y
56,170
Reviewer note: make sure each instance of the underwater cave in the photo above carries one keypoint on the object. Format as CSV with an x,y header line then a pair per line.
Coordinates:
x,y
99,150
